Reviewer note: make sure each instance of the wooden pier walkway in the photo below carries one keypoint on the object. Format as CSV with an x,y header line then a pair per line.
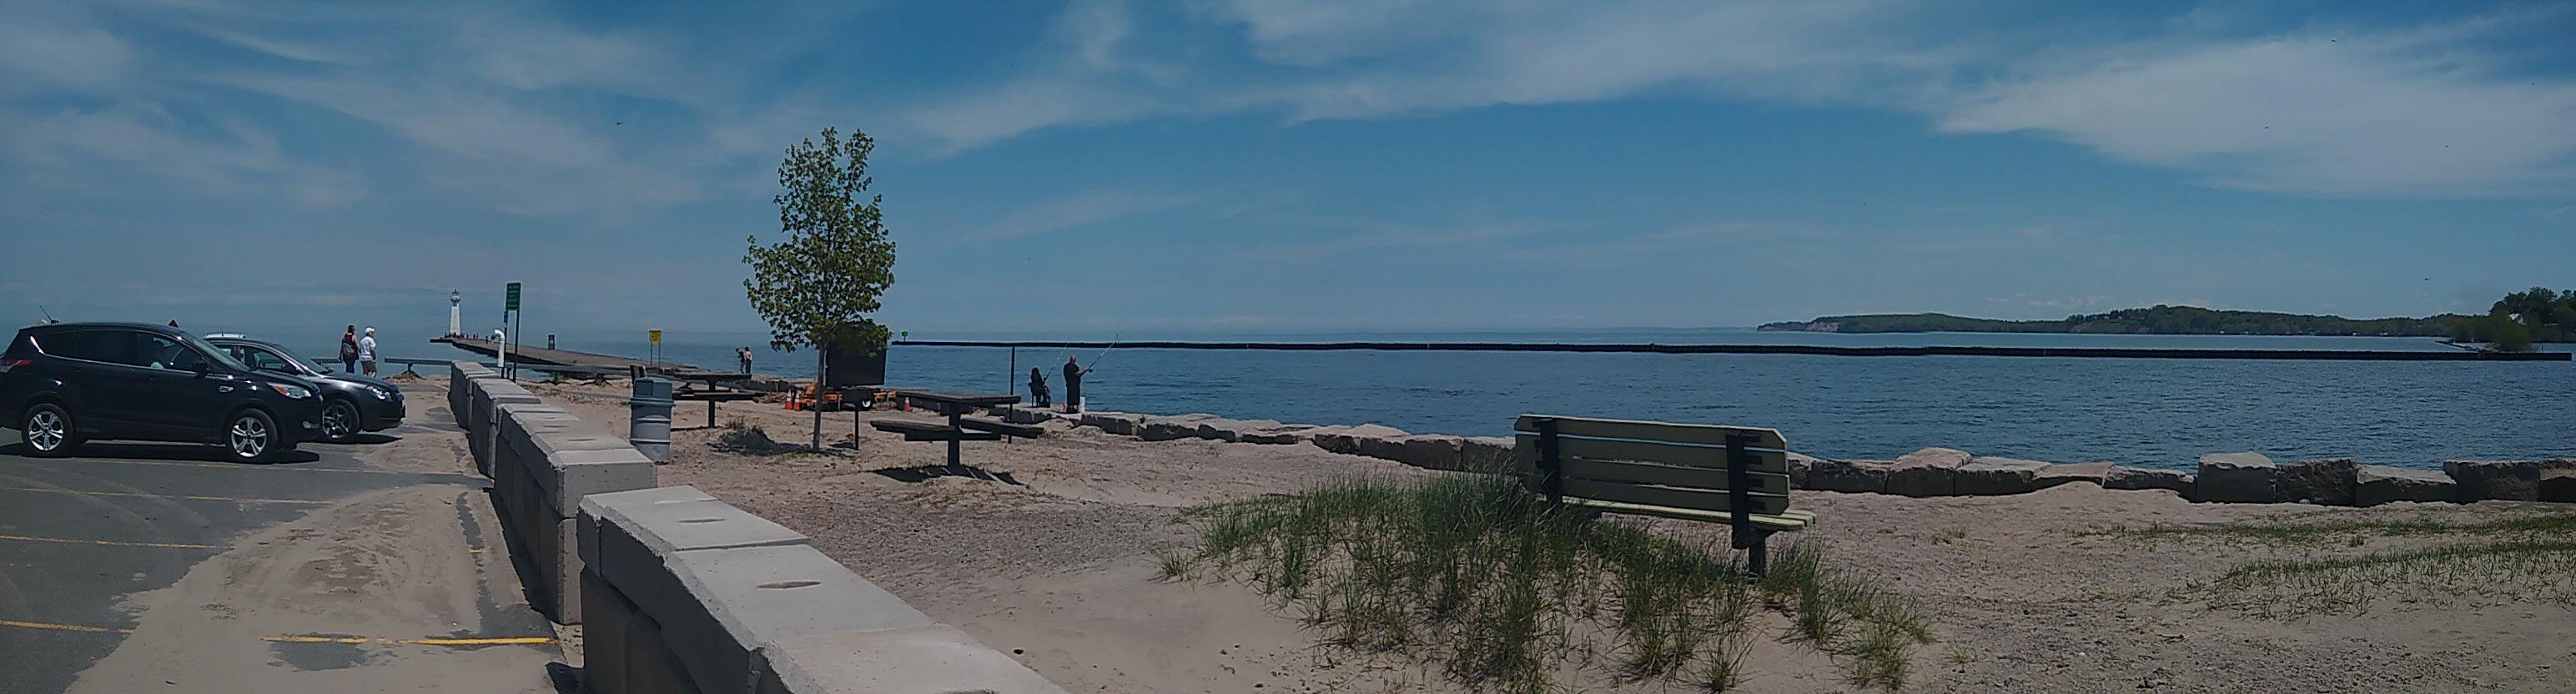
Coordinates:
x,y
540,356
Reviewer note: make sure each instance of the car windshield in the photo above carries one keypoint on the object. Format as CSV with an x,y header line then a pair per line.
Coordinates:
x,y
217,353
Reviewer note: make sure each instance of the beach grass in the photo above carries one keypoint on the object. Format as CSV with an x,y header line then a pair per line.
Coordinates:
x,y
2527,570
2560,525
1482,578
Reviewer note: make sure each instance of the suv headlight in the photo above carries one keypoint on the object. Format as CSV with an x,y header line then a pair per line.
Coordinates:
x,y
291,391
380,393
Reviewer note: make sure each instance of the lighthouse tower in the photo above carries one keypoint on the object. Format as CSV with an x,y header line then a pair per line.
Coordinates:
x,y
455,313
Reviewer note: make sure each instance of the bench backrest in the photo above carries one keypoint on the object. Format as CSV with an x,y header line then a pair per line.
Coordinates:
x,y
1685,466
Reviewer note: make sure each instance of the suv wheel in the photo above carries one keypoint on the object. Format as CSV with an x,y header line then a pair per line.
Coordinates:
x,y
47,431
250,436
339,420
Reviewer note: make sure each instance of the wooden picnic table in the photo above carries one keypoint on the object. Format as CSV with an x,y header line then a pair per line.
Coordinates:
x,y
957,429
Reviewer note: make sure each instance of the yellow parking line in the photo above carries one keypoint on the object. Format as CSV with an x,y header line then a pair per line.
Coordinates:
x,y
419,642
170,545
63,627
170,496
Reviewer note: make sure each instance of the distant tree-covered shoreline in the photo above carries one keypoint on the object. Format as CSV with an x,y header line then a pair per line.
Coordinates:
x,y
2159,320
2512,324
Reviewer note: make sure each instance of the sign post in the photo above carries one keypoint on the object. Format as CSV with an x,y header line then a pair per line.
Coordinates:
x,y
655,337
510,317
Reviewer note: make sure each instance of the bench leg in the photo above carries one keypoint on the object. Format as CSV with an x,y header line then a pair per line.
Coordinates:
x,y
1757,558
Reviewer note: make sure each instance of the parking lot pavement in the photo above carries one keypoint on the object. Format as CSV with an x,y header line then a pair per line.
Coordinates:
x,y
157,564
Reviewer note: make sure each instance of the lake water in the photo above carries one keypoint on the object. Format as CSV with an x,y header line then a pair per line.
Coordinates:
x,y
2142,412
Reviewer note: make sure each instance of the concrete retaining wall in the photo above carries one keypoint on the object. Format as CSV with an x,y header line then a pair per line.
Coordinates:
x,y
2227,477
678,592
542,461
686,593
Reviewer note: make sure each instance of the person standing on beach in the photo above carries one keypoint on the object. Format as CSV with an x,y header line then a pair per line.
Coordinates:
x,y
1037,386
745,354
1073,385
367,351
349,350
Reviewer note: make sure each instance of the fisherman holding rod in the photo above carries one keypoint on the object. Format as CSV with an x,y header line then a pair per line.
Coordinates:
x,y
1073,384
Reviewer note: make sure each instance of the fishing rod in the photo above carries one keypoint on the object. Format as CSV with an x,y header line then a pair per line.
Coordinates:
x,y
1104,352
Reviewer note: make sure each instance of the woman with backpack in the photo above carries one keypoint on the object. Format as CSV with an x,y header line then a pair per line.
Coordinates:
x,y
349,350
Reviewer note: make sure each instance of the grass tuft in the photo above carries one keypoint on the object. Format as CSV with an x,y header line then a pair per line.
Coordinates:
x,y
1499,589
2522,570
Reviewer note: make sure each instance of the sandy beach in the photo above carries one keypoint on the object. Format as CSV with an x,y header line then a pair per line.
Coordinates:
x,y
1045,549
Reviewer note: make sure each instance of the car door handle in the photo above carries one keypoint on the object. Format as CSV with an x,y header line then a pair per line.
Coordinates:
x,y
223,389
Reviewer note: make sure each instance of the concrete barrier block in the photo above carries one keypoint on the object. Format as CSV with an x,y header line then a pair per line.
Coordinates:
x,y
565,477
2098,473
652,667
660,521
1848,475
606,618
2503,480
935,658
734,600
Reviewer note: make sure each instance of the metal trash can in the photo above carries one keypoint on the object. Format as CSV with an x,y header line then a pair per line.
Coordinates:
x,y
649,418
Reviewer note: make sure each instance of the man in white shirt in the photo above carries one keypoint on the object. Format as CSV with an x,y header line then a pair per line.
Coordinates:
x,y
367,351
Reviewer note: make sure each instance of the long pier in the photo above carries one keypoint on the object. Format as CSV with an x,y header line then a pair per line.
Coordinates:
x,y
540,356
1822,350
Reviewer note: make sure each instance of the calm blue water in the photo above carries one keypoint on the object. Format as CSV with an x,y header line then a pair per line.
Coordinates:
x,y
2145,412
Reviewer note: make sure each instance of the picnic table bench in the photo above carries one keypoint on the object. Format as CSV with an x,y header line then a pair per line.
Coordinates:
x,y
1703,472
959,427
715,396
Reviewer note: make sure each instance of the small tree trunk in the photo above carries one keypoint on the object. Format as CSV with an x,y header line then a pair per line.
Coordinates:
x,y
820,365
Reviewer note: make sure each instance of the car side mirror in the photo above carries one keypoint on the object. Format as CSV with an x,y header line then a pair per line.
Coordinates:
x,y
199,366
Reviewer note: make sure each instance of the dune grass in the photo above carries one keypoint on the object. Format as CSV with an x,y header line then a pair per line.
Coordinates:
x,y
2560,525
2525,570
1478,576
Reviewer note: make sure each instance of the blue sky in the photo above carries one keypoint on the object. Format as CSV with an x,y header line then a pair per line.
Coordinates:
x,y
1274,166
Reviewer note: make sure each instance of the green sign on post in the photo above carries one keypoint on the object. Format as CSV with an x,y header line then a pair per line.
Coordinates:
x,y
514,297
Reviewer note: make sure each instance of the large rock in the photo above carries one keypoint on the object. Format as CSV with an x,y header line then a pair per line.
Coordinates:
x,y
1987,476
1172,428
1486,453
2245,478
1849,475
2503,480
1120,423
2137,479
2097,473
2379,484
1799,464
2328,481
1232,430
1927,472
2558,485
1346,439
1433,451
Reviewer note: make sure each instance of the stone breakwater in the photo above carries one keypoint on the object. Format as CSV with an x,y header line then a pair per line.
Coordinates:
x,y
2219,478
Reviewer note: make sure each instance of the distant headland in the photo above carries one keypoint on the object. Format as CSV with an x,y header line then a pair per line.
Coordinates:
x,y
2158,320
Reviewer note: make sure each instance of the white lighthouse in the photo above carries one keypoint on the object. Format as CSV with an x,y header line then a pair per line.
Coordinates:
x,y
455,313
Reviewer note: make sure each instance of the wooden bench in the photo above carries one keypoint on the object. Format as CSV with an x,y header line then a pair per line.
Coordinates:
x,y
1703,472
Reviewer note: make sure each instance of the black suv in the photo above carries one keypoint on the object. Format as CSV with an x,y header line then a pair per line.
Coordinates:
x,y
350,403
63,383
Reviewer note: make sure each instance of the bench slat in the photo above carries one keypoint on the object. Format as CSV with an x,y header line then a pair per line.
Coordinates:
x,y
1711,434
951,436
1791,521
1674,497
1669,476
904,426
1525,448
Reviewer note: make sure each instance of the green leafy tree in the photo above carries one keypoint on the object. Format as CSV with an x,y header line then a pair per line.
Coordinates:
x,y
818,286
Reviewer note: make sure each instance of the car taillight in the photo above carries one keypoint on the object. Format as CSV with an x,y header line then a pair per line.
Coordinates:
x,y
7,364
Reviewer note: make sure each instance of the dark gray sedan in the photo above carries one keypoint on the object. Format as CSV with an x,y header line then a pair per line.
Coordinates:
x,y
351,403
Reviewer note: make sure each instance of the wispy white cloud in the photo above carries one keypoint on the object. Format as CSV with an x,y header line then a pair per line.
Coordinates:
x,y
2430,109
1072,212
